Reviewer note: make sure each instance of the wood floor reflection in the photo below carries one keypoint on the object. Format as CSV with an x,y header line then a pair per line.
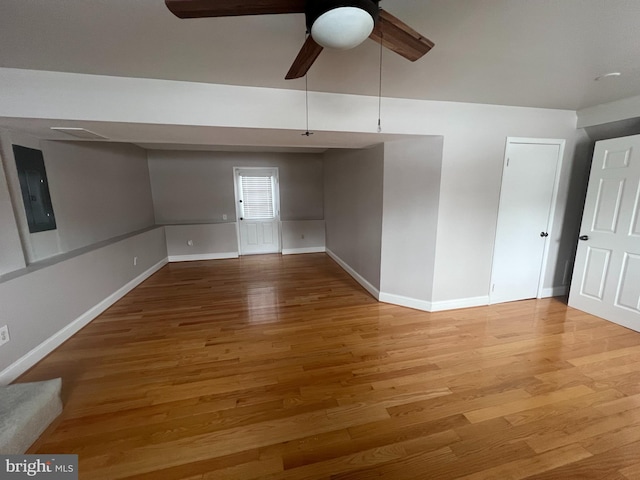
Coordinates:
x,y
284,368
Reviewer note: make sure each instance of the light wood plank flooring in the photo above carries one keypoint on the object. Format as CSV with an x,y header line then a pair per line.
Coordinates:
x,y
284,368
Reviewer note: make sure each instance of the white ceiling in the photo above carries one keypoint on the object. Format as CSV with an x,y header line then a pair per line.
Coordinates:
x,y
543,53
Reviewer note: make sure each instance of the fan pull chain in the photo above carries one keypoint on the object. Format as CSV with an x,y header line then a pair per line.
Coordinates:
x,y
380,87
306,99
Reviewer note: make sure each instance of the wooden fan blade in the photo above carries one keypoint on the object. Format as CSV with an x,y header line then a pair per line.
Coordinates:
x,y
308,54
232,8
400,37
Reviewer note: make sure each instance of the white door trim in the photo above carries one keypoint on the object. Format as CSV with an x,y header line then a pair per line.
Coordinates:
x,y
235,206
561,143
276,196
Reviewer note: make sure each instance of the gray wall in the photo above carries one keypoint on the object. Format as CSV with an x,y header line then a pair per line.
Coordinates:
x,y
11,254
197,187
303,236
38,305
101,196
412,172
353,208
98,191
201,239
473,155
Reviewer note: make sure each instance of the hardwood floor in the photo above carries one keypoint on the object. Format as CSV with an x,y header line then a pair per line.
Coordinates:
x,y
284,368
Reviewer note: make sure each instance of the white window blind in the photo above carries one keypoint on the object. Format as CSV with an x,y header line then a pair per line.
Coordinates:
x,y
257,197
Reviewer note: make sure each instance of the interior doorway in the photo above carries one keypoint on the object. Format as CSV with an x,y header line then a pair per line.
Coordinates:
x,y
257,210
525,216
606,280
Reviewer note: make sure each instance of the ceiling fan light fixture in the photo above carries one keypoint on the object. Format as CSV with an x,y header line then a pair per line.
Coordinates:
x,y
340,24
342,28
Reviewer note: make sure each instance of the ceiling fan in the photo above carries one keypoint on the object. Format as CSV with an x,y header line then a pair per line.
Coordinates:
x,y
331,23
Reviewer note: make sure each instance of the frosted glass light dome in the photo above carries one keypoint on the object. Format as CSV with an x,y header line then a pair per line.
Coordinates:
x,y
342,28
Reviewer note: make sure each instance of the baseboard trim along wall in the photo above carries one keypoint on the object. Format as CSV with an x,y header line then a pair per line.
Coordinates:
x,y
28,360
409,302
356,276
460,303
296,251
204,256
561,291
427,306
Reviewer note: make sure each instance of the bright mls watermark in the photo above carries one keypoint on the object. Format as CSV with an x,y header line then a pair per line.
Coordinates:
x,y
51,467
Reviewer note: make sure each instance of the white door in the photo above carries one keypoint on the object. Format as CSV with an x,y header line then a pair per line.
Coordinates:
x,y
258,210
606,280
527,198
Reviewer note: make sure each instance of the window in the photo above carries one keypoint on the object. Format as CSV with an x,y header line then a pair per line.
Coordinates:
x,y
256,197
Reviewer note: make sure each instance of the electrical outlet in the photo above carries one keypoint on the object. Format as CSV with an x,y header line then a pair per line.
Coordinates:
x,y
190,243
135,261
224,216
4,335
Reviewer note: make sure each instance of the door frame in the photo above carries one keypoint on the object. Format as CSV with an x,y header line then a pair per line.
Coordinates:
x,y
276,198
561,143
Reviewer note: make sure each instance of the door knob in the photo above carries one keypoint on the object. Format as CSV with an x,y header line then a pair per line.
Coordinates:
x,y
584,238
544,234
241,218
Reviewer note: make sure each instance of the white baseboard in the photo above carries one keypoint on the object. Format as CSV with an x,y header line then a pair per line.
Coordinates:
x,y
561,291
204,256
409,302
460,303
423,305
427,306
357,277
28,360
295,251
